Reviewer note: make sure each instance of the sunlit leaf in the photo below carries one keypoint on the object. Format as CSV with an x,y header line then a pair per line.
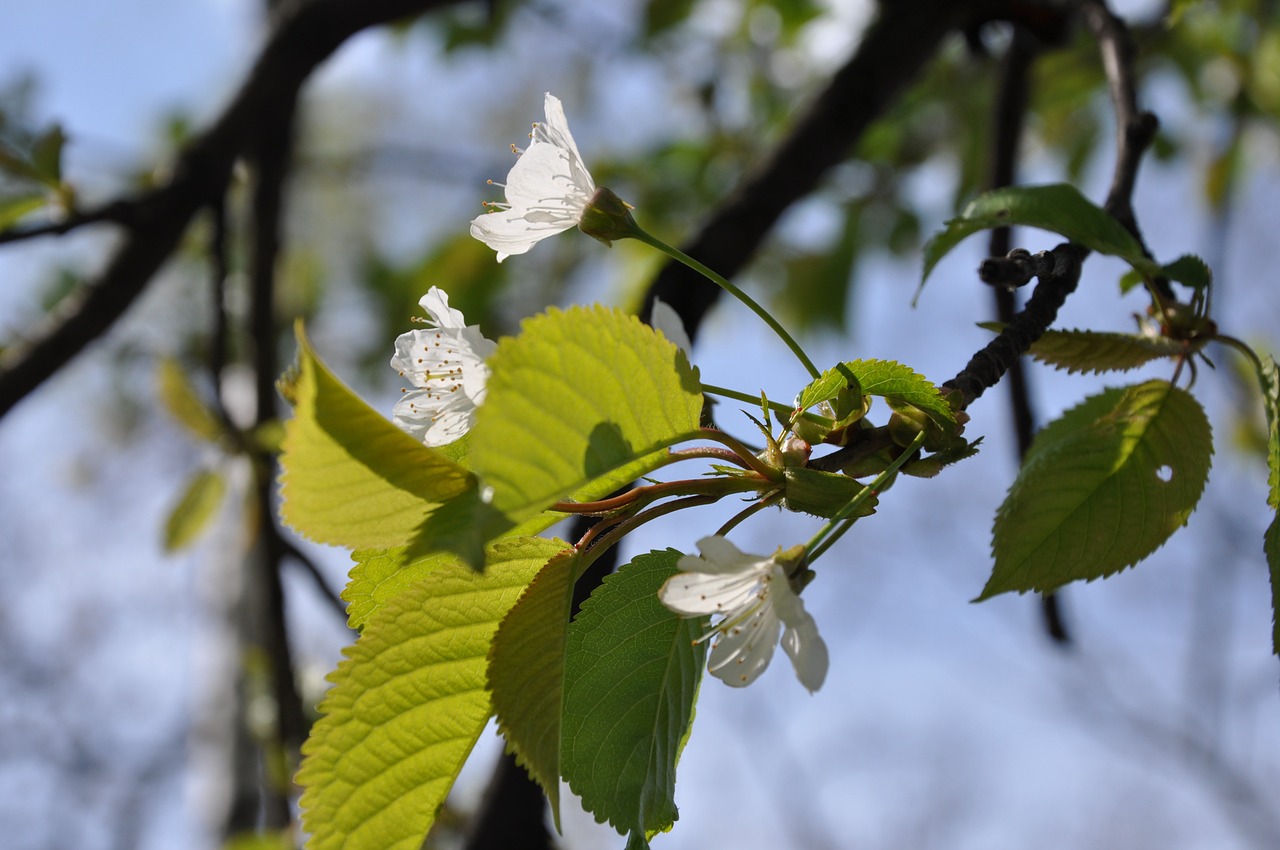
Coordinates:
x,y
579,395
1101,488
631,679
892,380
199,504
827,386
406,707
381,575
184,404
14,207
350,476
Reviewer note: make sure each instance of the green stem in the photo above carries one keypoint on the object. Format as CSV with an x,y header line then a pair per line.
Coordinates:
x,y
817,546
784,411
1243,348
723,282
622,529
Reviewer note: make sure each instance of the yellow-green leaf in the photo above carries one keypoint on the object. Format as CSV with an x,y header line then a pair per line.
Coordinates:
x,y
350,476
199,504
380,575
406,707
581,395
526,673
183,402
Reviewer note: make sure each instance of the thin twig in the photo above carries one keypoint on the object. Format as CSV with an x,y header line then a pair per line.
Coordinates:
x,y
897,46
313,570
120,212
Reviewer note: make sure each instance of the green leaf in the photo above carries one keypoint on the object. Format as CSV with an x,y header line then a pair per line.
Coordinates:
x,y
350,476
1269,381
526,673
892,380
381,575
199,504
14,207
1188,270
1101,488
1271,545
631,679
827,386
46,156
1059,208
582,401
184,404
1101,351
406,707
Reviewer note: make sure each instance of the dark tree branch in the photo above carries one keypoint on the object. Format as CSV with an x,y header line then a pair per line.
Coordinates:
x,y
904,37
1010,118
1059,272
116,212
269,158
1135,128
305,35
309,566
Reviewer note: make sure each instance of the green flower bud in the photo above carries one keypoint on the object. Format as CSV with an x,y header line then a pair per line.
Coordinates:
x,y
607,217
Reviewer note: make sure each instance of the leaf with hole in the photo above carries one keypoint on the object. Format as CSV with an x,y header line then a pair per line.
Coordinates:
x,y
1101,488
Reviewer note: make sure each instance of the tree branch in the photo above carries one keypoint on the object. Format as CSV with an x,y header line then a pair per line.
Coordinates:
x,y
306,34
117,212
895,48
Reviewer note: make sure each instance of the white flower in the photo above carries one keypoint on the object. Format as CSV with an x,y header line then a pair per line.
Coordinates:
x,y
663,317
753,598
446,367
547,190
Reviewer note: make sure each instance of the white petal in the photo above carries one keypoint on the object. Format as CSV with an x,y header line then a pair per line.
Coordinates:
x,y
743,651
663,317
434,420
723,556
436,305
556,130
508,232
801,641
694,593
544,180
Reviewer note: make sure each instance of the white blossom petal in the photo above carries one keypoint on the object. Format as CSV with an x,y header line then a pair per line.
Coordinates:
x,y
744,649
663,317
446,367
801,641
436,305
546,191
752,598
696,593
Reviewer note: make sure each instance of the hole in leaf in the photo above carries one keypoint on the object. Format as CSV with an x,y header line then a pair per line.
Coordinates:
x,y
1164,472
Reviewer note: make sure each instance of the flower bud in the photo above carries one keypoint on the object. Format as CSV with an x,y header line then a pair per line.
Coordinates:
x,y
607,217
